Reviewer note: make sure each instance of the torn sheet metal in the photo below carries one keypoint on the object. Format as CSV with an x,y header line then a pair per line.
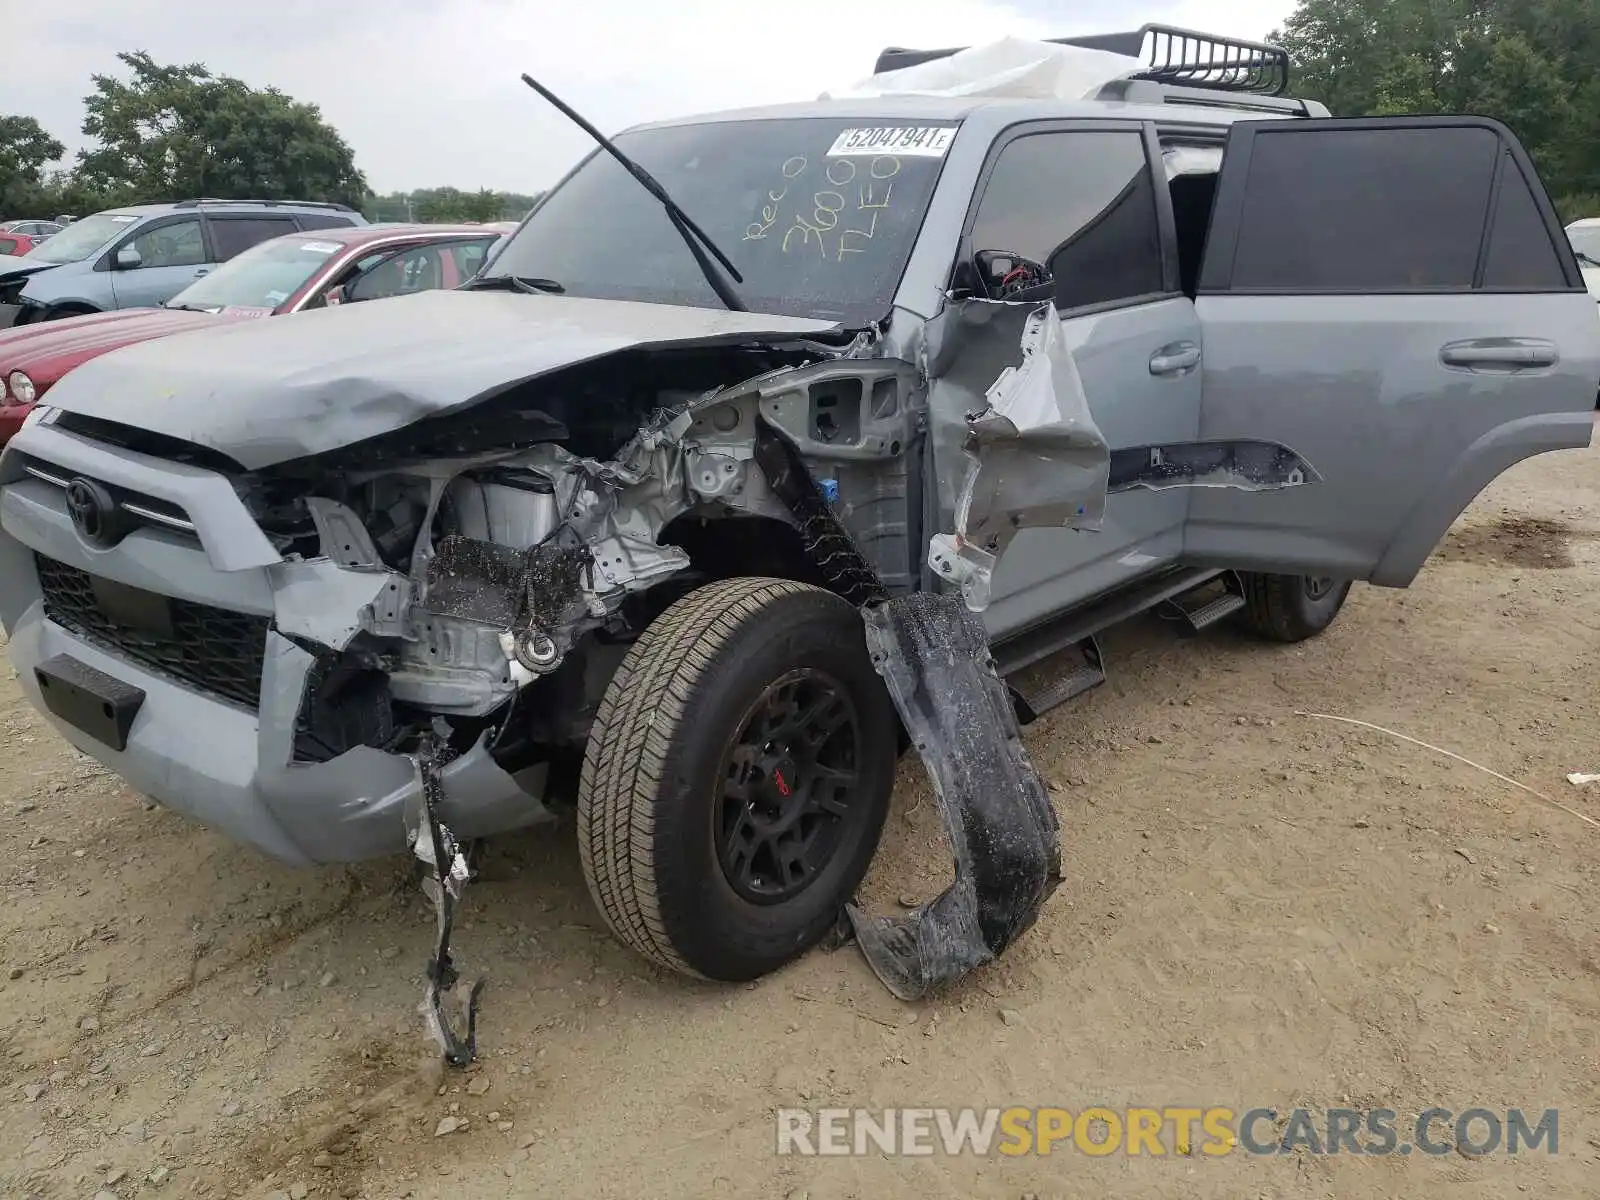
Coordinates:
x,y
1242,465
1038,460
933,654
1010,67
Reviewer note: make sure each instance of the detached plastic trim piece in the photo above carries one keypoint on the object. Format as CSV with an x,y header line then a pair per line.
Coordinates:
x,y
933,654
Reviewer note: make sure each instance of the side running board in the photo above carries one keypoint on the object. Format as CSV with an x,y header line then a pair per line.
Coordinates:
x,y
1208,605
1198,598
1086,670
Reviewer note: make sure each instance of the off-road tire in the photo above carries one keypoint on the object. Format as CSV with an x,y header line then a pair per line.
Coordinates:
x,y
654,769
1291,608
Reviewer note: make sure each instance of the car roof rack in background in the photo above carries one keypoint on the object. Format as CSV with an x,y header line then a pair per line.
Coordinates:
x,y
199,200
1174,56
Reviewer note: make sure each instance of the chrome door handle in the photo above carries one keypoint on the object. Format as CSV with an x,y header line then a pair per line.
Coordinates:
x,y
1176,358
1499,354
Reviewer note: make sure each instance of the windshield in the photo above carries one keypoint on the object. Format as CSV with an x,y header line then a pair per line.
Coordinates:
x,y
264,276
818,214
1586,244
82,238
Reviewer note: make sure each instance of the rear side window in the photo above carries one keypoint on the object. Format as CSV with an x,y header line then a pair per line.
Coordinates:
x,y
1365,210
1521,255
8,245
234,235
1383,206
324,221
1081,205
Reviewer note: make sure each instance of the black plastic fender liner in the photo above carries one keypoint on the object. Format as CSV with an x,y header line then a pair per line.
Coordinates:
x,y
933,654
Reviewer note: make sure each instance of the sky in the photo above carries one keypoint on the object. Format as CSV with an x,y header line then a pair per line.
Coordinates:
x,y
428,92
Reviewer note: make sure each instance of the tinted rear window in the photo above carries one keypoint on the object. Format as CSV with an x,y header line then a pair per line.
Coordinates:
x,y
1521,254
1365,210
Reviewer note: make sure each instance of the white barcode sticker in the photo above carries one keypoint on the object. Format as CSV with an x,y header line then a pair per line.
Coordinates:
x,y
902,141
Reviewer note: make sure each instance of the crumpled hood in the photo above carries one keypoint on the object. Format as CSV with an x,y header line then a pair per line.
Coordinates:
x,y
265,392
48,349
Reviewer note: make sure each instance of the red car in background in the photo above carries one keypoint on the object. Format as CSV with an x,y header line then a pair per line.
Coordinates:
x,y
284,275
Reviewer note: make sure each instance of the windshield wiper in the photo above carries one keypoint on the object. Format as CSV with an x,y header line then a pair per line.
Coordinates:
x,y
694,237
527,284
185,307
1584,258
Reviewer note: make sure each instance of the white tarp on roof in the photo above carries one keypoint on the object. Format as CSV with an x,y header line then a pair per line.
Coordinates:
x,y
1013,67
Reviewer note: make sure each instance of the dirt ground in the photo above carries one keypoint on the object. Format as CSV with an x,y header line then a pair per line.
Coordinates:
x,y
1260,909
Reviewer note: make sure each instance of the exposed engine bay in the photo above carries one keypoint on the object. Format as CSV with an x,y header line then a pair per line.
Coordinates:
x,y
541,523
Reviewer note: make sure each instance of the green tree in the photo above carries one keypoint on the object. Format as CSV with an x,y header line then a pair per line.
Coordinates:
x,y
452,204
516,205
1535,64
25,150
171,132
449,204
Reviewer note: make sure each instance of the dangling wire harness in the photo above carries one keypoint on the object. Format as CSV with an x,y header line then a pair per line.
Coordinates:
x,y
440,853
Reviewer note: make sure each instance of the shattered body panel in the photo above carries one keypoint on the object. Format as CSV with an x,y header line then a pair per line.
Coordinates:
x,y
1038,459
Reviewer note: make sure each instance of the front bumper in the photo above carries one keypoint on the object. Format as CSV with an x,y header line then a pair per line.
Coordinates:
x,y
228,767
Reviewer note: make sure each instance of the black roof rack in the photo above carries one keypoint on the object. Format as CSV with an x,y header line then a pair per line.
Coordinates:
x,y
1174,56
199,200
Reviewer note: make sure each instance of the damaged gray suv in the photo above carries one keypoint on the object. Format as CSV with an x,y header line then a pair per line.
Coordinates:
x,y
777,443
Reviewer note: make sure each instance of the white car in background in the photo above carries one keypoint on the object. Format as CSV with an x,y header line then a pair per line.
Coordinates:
x,y
1585,238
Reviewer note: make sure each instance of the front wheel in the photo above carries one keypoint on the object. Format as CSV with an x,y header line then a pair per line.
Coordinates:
x,y
736,778
1292,608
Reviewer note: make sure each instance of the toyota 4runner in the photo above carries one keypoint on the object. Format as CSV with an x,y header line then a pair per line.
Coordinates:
x,y
622,518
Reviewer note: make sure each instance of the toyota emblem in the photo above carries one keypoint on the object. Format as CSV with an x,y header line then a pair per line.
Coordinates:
x,y
94,512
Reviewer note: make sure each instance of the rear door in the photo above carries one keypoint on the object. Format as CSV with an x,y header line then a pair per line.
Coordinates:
x,y
1393,299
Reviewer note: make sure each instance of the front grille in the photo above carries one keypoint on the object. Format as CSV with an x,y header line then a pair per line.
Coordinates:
x,y
145,510
212,650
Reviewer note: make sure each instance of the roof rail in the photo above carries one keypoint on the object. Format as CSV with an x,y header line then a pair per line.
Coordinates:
x,y
200,200
1173,55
